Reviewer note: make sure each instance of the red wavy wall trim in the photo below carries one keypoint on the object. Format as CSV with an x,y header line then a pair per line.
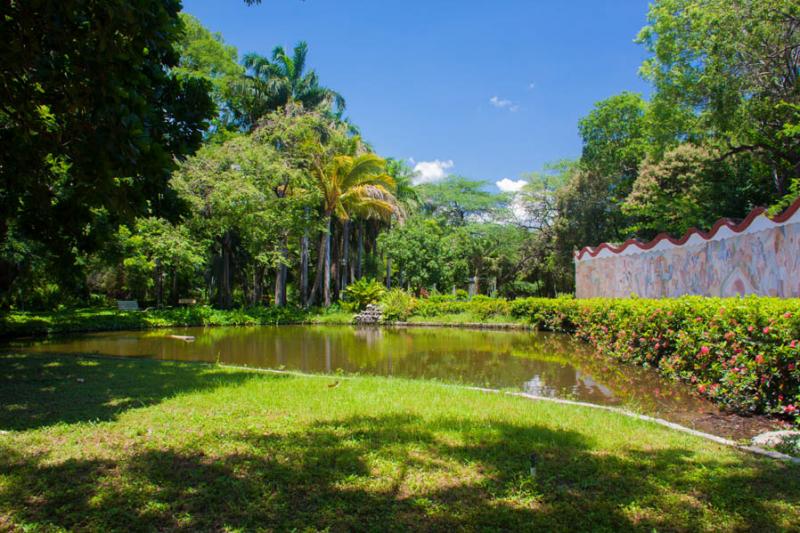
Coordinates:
x,y
736,228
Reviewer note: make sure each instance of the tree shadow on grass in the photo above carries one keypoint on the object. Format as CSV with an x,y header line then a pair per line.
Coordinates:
x,y
41,390
398,472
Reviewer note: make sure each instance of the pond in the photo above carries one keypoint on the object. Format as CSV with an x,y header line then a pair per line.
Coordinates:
x,y
544,364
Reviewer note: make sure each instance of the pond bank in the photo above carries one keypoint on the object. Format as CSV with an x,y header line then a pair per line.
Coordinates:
x,y
164,441
741,353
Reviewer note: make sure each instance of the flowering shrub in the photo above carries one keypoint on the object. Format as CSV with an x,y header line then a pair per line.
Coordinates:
x,y
740,352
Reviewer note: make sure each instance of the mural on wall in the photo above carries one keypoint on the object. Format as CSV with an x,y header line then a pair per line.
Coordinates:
x,y
761,255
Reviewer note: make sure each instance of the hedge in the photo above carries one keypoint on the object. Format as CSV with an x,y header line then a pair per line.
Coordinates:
x,y
740,352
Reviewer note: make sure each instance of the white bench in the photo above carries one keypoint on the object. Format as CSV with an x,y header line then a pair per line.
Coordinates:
x,y
127,305
187,301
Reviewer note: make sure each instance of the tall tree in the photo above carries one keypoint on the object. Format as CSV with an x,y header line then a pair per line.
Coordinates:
x,y
206,55
92,120
349,183
726,73
457,199
282,80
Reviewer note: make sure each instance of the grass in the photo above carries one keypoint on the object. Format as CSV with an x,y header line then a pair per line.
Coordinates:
x,y
122,444
465,318
21,323
333,317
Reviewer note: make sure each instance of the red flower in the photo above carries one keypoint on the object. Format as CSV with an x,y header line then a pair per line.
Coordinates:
x,y
789,409
787,315
704,350
760,358
793,344
750,329
790,367
701,389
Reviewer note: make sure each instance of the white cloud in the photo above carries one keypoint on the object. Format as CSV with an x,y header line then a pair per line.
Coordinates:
x,y
502,103
507,185
431,171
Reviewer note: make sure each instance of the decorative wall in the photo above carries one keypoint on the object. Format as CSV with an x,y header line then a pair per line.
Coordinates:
x,y
761,255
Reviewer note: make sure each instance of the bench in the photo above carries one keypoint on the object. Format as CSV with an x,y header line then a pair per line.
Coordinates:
x,y
187,301
127,305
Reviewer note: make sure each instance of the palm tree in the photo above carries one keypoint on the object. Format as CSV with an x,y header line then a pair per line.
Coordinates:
x,y
350,184
274,83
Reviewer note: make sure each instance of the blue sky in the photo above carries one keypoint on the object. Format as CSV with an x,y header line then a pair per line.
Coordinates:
x,y
485,89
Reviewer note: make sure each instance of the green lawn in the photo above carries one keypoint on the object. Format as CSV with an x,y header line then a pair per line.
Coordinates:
x,y
105,444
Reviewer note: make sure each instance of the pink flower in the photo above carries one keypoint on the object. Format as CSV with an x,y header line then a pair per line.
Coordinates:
x,y
789,409
766,330
793,344
729,335
750,329
787,315
704,350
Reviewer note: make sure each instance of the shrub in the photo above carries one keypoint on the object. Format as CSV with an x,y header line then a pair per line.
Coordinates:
x,y
397,304
740,352
362,293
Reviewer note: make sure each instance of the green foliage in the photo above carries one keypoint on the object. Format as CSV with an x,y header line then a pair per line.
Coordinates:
x,y
96,116
480,306
457,199
205,55
690,186
155,249
19,324
724,72
742,353
274,83
364,292
423,255
397,305
615,140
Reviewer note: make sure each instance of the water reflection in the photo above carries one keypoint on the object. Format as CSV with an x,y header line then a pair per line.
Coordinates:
x,y
540,363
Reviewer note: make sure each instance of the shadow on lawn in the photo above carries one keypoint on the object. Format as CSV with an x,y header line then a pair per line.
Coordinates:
x,y
38,390
439,474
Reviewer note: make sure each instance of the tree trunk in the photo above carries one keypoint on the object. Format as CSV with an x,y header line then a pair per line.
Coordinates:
x,y
258,284
388,272
321,265
159,283
335,247
360,262
225,296
304,259
345,252
280,276
327,287
174,293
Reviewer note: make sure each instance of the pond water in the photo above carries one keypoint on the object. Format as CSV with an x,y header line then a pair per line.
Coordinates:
x,y
544,364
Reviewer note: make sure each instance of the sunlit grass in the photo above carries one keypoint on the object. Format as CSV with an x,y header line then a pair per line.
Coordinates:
x,y
138,443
